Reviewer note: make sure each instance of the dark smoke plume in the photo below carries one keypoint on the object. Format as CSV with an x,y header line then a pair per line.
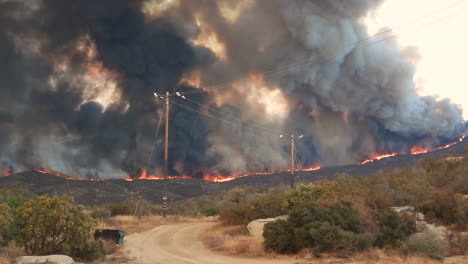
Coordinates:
x,y
77,78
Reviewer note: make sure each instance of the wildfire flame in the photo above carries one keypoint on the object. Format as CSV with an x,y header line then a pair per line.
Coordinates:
x,y
217,177
414,150
378,157
61,175
210,176
419,150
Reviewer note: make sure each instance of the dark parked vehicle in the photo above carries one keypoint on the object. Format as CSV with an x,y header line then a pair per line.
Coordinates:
x,y
117,236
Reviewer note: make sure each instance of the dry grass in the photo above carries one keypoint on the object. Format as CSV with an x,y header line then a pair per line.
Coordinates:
x,y
9,253
132,224
234,240
390,257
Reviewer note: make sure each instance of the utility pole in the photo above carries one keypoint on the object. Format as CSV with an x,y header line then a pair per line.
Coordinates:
x,y
166,143
293,161
166,153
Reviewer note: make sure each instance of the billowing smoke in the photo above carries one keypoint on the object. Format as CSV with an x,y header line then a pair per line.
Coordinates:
x,y
77,78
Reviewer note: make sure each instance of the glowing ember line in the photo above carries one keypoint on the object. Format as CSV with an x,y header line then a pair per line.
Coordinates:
x,y
414,150
61,175
224,178
419,150
379,158
213,177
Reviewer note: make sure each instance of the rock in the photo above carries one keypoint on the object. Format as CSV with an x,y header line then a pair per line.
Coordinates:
x,y
51,259
419,216
403,209
29,259
256,226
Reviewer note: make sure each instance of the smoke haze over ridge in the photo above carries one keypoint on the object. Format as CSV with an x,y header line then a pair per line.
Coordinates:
x,y
77,78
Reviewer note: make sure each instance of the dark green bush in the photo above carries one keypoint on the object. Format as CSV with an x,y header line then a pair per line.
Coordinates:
x,y
331,238
280,237
334,228
87,251
427,243
340,214
394,229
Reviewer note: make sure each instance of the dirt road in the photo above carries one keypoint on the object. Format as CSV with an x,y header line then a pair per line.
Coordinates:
x,y
180,244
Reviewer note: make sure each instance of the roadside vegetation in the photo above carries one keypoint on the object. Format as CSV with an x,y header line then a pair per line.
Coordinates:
x,y
348,217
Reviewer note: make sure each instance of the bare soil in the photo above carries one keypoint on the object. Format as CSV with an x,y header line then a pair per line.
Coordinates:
x,y
182,244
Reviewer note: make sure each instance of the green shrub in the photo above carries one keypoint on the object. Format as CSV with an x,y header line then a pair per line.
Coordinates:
x,y
280,237
302,194
332,238
427,243
14,198
54,225
340,214
394,229
334,228
87,251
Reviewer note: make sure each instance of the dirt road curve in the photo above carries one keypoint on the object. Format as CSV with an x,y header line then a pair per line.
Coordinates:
x,y
180,244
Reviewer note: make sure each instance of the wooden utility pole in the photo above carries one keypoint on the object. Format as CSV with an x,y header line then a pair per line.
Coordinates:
x,y
292,162
166,153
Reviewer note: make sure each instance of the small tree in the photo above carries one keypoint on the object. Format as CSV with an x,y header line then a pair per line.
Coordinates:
x,y
394,229
302,194
50,225
427,243
6,219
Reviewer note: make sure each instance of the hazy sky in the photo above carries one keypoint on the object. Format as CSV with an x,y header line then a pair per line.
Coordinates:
x,y
443,46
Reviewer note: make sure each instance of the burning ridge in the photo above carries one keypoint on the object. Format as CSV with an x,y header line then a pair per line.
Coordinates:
x,y
143,175
77,76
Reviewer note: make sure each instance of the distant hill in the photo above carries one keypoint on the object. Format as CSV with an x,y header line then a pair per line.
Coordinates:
x,y
116,191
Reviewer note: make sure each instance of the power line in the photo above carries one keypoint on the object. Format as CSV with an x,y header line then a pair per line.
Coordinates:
x,y
419,27
270,132
315,59
229,116
155,136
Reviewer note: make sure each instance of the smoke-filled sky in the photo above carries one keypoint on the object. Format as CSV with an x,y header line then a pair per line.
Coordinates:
x,y
77,78
442,46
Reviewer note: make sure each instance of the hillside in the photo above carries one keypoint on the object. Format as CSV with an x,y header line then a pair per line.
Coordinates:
x,y
118,190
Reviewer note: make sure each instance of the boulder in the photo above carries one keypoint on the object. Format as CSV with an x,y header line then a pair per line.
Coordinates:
x,y
51,259
256,226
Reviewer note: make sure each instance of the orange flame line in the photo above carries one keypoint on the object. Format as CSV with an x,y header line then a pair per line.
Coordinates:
x,y
224,178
